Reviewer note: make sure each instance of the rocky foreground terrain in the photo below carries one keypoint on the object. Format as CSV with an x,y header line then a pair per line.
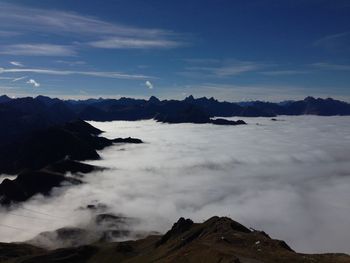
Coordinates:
x,y
218,239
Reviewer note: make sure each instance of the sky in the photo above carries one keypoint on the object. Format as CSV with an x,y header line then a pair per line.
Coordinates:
x,y
232,50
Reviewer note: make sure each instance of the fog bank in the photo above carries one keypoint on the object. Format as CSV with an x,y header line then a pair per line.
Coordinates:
x,y
290,178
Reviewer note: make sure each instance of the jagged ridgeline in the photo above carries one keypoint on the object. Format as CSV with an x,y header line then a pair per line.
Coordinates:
x,y
44,110
23,115
218,239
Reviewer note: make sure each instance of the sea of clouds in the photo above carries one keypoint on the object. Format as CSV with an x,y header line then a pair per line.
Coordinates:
x,y
290,178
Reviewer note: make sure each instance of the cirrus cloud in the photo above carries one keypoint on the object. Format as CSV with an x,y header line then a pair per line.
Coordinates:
x,y
37,50
88,31
103,74
16,63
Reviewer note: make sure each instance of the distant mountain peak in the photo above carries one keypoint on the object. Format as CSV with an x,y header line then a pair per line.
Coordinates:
x,y
309,98
4,98
189,98
153,99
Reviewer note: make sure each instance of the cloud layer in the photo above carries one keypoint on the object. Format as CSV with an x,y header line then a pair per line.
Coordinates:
x,y
276,176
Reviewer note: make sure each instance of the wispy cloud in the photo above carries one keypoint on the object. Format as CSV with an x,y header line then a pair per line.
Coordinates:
x,y
34,83
5,33
329,66
132,43
37,50
20,78
85,29
62,22
71,63
201,60
103,74
221,69
149,84
6,78
325,40
237,68
284,72
336,42
16,63
11,79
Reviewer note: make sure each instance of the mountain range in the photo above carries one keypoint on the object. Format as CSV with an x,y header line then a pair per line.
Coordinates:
x,y
21,116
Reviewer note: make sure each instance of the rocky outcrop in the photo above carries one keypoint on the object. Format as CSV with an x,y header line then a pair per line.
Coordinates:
x,y
221,121
127,140
218,239
105,227
30,183
71,166
181,226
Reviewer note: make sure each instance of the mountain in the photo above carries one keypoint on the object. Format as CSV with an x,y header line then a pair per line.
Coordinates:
x,y
43,158
30,183
323,107
24,115
4,98
19,117
177,112
218,239
27,114
133,109
77,139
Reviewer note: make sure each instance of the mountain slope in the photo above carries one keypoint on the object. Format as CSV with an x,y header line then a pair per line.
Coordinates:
x,y
215,240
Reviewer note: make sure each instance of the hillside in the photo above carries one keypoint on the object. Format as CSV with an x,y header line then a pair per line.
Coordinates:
x,y
218,239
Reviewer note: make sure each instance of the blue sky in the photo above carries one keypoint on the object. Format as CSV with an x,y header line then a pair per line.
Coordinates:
x,y
232,50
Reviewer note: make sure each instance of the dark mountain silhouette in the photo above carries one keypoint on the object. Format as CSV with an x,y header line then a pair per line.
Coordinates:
x,y
178,112
44,157
22,116
77,140
4,98
218,239
27,114
30,183
220,121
